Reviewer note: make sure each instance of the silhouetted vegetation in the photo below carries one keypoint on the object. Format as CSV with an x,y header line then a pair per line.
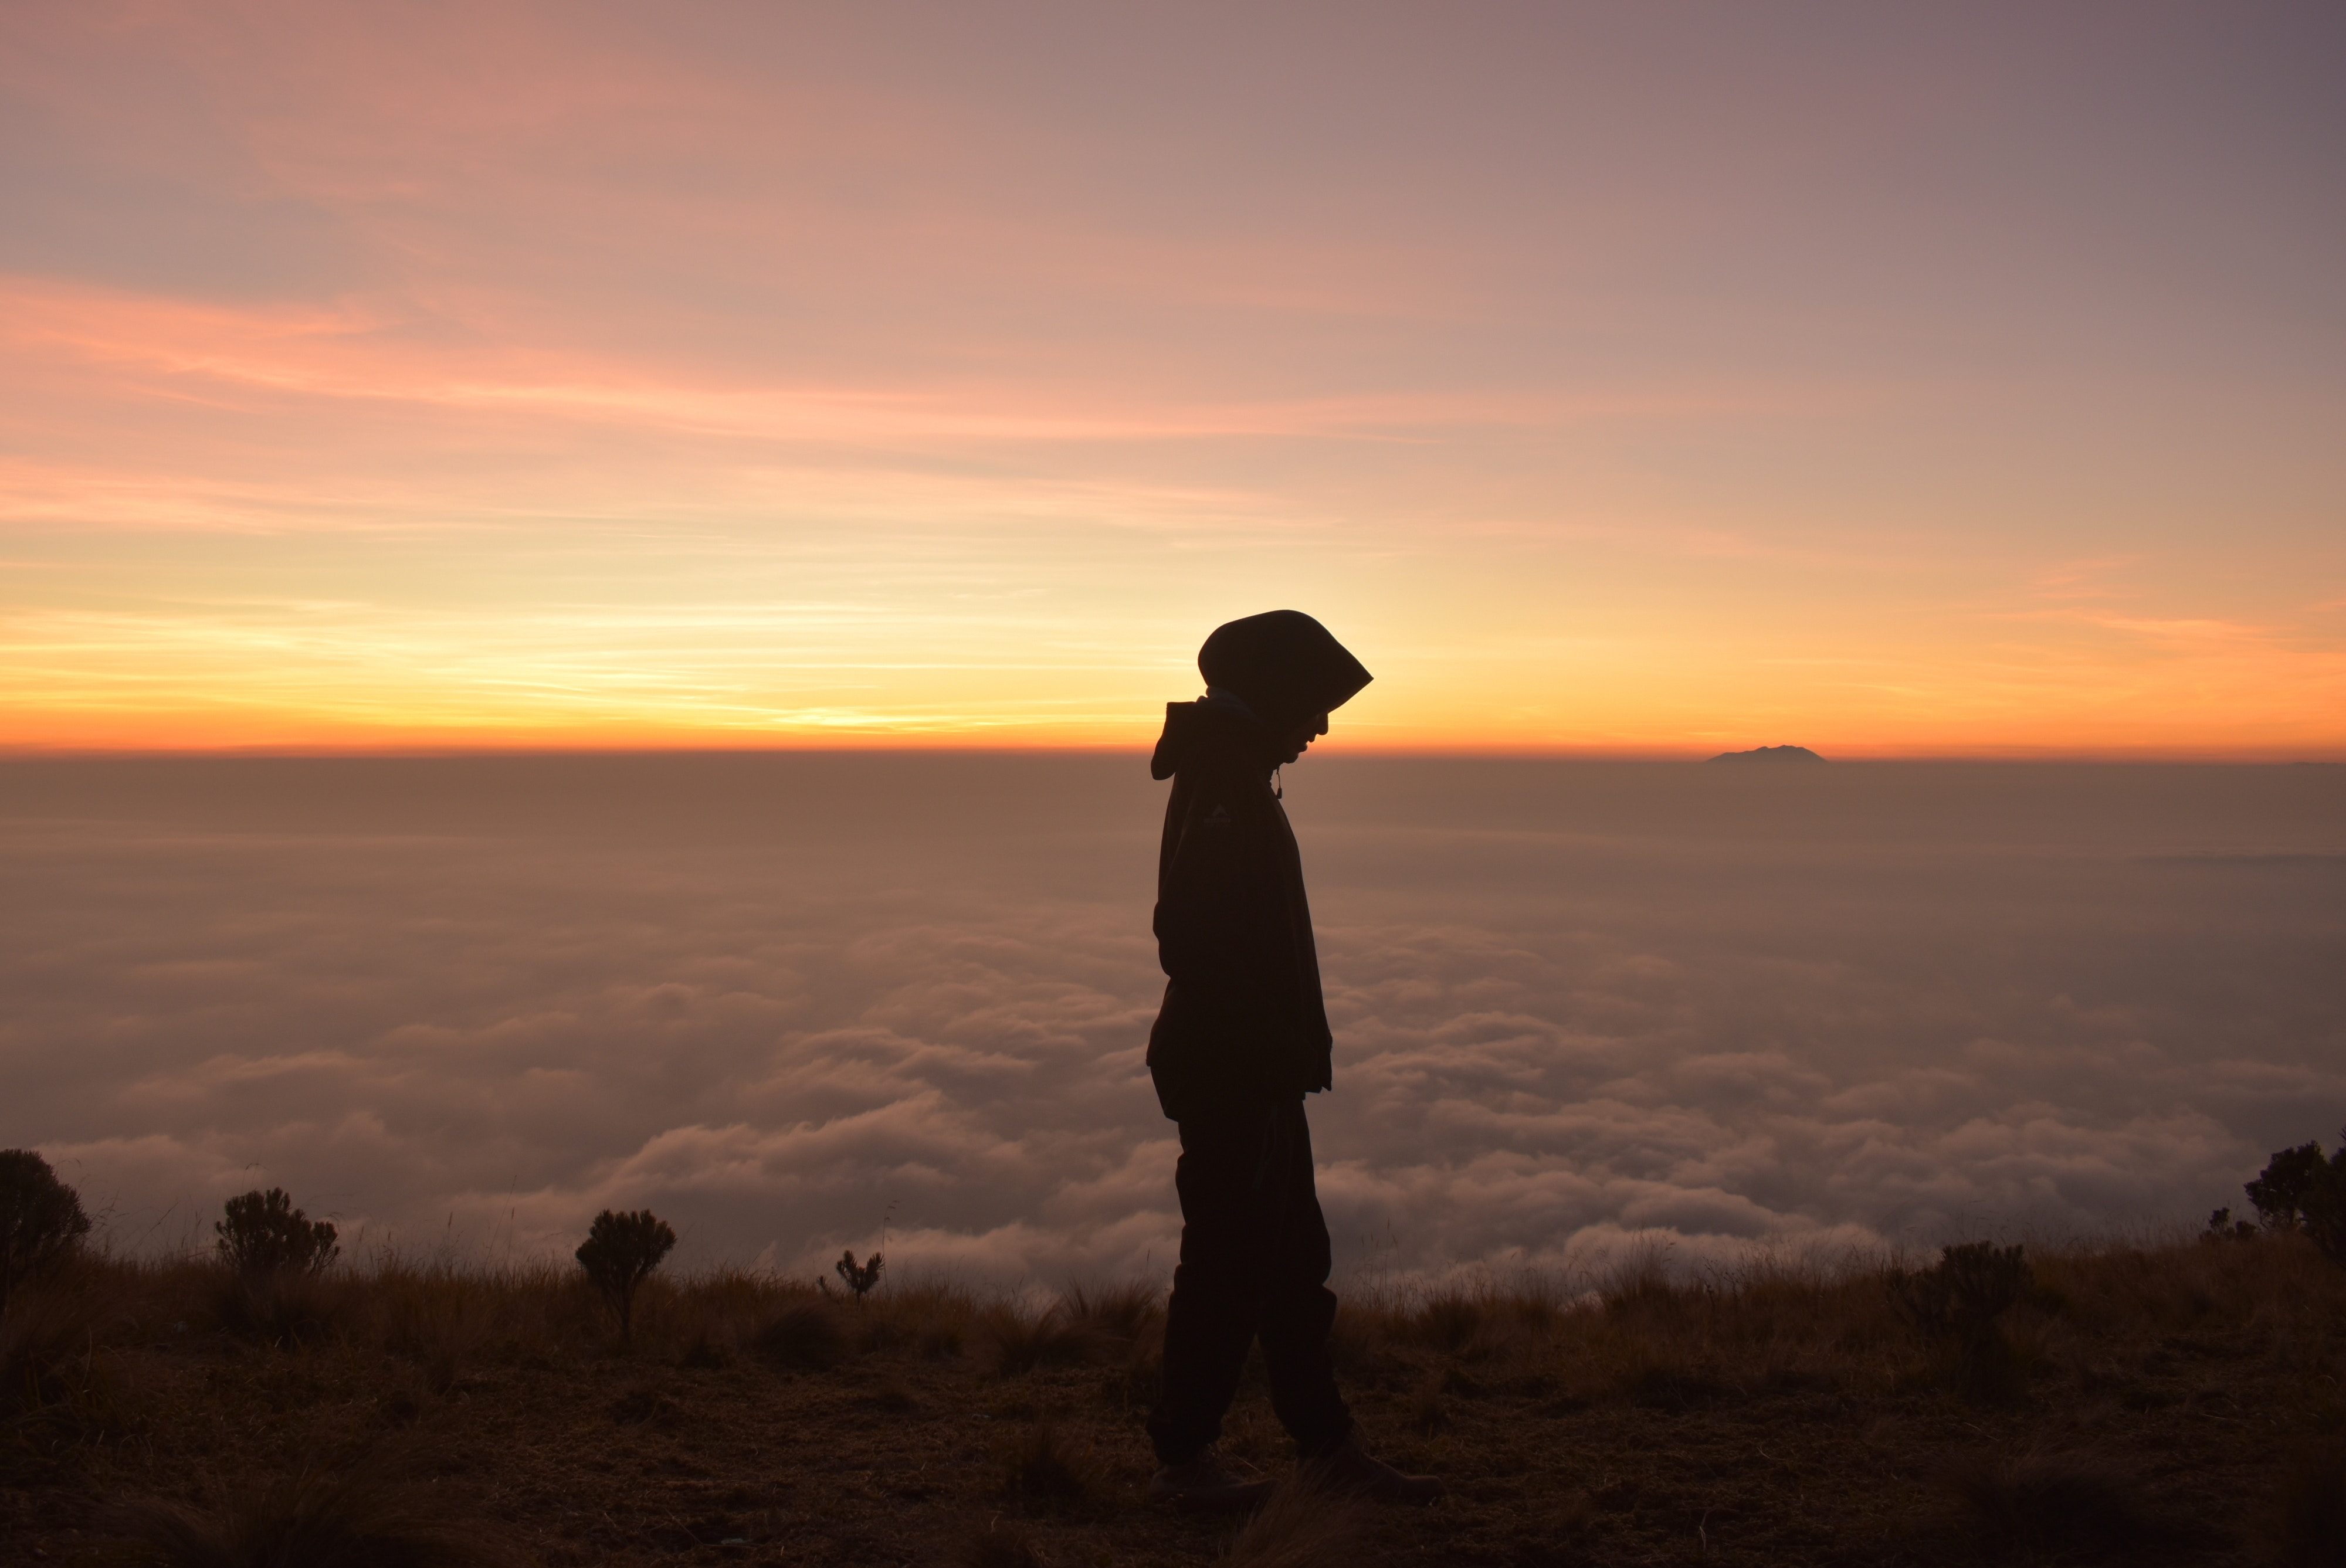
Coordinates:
x,y
1959,1302
620,1252
2302,1190
41,1220
860,1278
262,1233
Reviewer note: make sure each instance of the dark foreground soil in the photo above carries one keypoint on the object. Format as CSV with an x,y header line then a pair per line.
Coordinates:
x,y
2175,1404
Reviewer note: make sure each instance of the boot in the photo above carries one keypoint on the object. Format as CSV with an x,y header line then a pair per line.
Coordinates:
x,y
1206,1481
1350,1468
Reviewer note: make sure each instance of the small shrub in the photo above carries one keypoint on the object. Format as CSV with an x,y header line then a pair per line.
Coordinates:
x,y
262,1233
2222,1227
41,1221
807,1335
859,1278
620,1252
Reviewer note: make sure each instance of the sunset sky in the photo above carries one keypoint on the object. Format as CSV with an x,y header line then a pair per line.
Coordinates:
x,y
1648,379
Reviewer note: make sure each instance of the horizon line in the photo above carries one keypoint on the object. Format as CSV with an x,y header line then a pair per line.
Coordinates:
x,y
2143,755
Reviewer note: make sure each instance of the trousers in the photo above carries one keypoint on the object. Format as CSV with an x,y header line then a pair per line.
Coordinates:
x,y
1254,1266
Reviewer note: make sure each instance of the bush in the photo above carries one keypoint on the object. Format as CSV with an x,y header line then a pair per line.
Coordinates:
x,y
1963,1294
2301,1190
620,1252
1958,1301
41,1221
262,1233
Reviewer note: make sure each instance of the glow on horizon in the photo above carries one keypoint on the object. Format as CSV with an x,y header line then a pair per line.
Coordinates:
x,y
518,376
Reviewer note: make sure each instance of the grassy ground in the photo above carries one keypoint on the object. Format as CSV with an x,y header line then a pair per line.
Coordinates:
x,y
2175,1403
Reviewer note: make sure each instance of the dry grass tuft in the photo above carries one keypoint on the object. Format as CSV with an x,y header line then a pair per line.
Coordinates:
x,y
438,1320
807,1335
1299,1528
1020,1340
1428,1412
1043,1467
1450,1322
52,1393
371,1514
2076,1500
288,1307
1126,1313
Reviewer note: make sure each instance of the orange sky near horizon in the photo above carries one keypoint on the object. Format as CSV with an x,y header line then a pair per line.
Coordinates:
x,y
1653,384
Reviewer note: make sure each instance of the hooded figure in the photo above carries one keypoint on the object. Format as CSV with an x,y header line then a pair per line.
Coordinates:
x,y
1241,1038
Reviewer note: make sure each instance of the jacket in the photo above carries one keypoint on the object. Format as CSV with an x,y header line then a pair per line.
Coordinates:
x,y
1243,1020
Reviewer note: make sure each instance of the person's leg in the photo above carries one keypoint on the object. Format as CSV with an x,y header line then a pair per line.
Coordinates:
x,y
1229,1223
1299,1309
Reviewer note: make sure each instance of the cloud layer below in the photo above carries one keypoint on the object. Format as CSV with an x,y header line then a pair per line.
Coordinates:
x,y
787,999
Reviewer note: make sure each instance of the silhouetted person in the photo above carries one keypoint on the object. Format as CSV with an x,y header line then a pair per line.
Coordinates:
x,y
1241,1038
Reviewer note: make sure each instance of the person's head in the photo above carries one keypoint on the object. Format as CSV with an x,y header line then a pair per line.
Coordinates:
x,y
1285,666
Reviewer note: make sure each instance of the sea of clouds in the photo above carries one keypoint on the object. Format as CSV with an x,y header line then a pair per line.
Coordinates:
x,y
788,1000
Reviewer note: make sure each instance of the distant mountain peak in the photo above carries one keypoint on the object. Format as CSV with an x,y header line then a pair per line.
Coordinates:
x,y
1771,754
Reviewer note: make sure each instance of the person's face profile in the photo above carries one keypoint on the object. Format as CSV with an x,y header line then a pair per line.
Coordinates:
x,y
1299,739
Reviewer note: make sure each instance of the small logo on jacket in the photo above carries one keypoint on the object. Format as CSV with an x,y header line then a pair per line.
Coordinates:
x,y
1220,815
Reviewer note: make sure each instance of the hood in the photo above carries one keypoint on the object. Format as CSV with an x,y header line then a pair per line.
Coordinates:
x,y
1284,665
1215,722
